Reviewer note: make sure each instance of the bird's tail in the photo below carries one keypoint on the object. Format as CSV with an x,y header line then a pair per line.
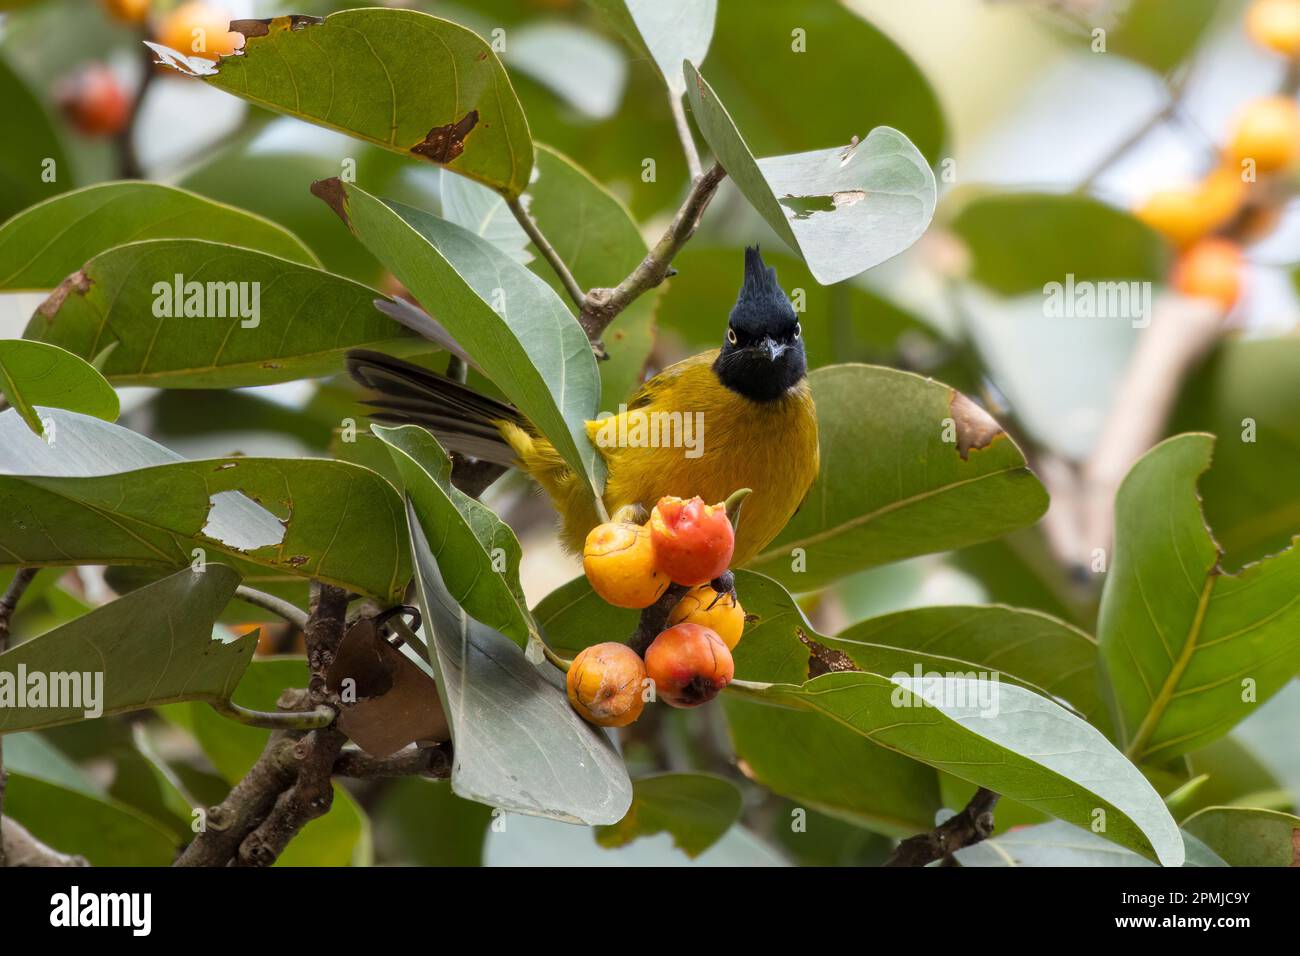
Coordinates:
x,y
462,419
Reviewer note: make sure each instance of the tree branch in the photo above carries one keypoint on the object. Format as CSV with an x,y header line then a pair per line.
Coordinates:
x,y
277,606
22,578
602,306
19,848
973,824
655,618
434,762
548,251
684,134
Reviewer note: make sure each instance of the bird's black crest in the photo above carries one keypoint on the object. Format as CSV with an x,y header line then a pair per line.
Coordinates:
x,y
762,308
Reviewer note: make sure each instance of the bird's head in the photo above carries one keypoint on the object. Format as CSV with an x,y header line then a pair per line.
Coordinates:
x,y
762,355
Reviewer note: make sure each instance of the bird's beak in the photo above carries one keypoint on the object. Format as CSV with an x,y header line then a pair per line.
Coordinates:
x,y
774,348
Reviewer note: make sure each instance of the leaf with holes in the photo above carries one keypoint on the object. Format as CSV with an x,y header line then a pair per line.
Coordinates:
x,y
95,493
508,320
154,646
1189,649
33,373
183,313
996,735
409,82
43,245
519,745
908,466
844,209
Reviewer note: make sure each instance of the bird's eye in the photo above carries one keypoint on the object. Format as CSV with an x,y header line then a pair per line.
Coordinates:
x,y
798,329
731,335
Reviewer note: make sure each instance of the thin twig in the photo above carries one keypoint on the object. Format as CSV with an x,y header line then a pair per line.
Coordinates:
x,y
321,716
684,134
602,306
128,161
1176,90
8,602
278,606
973,824
548,251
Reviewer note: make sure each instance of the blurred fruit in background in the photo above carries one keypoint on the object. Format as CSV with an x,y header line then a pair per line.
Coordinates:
x,y
1275,24
128,11
1268,131
1211,269
198,29
94,101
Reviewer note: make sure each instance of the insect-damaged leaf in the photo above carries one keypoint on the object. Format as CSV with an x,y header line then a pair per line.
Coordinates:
x,y
33,373
97,493
42,245
908,466
183,313
1181,638
401,79
153,646
844,209
518,744
508,320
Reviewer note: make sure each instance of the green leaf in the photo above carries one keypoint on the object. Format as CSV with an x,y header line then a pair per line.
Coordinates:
x,y
665,31
1182,640
1161,33
477,552
891,486
849,76
1061,844
1249,395
1019,242
101,494
253,319
33,373
422,822
696,809
518,744
1247,837
996,735
414,84
42,245
33,165
533,348
844,209
154,646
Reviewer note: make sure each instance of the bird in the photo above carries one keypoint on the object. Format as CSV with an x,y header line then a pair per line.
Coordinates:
x,y
751,396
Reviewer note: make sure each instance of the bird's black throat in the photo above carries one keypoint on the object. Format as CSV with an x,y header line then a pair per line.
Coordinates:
x,y
751,371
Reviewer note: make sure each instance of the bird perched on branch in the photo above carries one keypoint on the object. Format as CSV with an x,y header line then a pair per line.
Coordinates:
x,y
751,396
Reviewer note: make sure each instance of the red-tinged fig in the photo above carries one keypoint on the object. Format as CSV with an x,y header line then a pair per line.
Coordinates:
x,y
693,542
689,665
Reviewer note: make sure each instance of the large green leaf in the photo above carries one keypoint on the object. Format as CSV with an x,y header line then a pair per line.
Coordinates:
x,y
1189,650
100,494
1247,837
1059,844
33,165
153,646
66,810
257,320
411,83
665,31
476,551
696,809
996,735
34,373
844,209
42,245
519,746
533,348
891,486
1248,394
1019,242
